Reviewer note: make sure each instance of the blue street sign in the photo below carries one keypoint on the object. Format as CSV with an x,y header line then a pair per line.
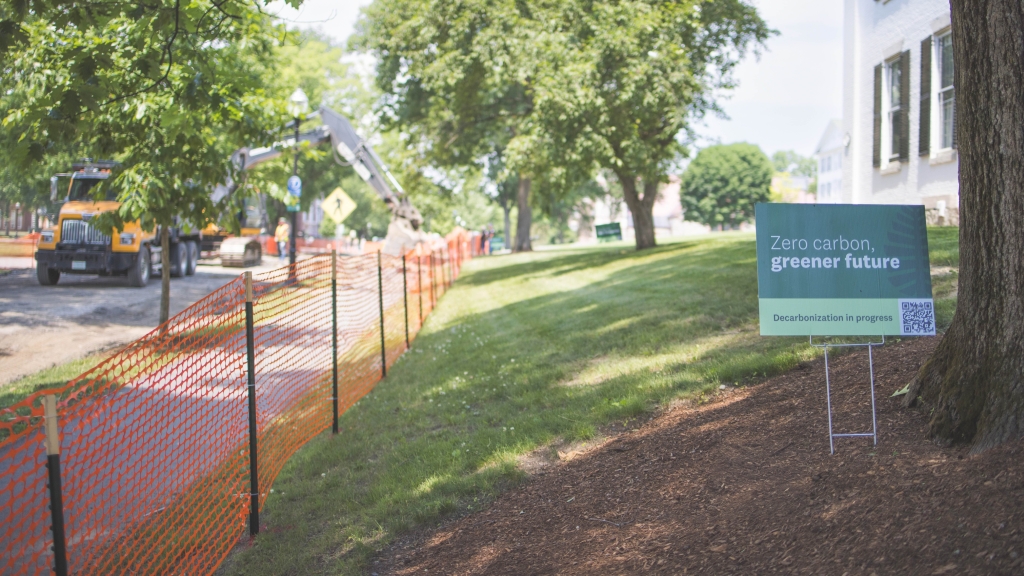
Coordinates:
x,y
295,186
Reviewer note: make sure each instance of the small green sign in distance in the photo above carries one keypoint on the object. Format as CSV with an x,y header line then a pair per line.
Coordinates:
x,y
843,270
609,232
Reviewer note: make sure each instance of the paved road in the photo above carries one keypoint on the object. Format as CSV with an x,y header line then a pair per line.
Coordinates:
x,y
45,326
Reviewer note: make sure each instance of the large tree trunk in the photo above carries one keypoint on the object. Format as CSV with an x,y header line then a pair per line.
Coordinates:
x,y
165,274
642,208
525,219
507,208
974,381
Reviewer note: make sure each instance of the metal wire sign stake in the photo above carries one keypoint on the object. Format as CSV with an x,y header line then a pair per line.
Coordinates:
x,y
832,435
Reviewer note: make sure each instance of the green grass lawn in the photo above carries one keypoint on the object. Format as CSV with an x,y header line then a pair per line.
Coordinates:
x,y
49,378
944,253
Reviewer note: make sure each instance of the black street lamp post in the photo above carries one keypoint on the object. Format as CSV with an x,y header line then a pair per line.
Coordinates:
x,y
298,103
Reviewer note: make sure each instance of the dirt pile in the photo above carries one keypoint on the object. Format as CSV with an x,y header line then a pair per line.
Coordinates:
x,y
747,485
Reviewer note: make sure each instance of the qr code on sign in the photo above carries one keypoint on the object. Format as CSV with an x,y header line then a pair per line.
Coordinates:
x,y
917,317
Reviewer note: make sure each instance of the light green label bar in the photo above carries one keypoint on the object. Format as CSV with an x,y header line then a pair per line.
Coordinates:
x,y
829,316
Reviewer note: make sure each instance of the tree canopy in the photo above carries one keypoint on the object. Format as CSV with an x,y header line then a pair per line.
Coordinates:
x,y
790,161
559,89
456,81
636,73
723,183
168,90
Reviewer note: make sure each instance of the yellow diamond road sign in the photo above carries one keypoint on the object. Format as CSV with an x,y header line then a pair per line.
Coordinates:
x,y
338,206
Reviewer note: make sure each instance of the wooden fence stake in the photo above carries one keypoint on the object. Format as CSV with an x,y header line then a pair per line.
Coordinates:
x,y
60,558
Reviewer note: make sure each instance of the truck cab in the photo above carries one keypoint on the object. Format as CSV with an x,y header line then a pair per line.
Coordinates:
x,y
74,246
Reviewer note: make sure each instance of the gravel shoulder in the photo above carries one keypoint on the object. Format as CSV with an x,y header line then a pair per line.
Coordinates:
x,y
42,327
745,484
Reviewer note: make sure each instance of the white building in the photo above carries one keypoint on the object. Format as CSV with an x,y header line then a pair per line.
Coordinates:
x,y
829,155
899,127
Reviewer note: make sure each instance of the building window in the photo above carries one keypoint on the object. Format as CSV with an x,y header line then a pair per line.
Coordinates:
x,y
892,107
892,88
946,97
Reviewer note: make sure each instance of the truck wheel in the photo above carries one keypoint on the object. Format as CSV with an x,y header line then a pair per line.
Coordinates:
x,y
179,260
193,257
47,276
138,274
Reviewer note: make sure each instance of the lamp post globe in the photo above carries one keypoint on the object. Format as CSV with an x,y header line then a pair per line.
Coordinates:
x,y
298,104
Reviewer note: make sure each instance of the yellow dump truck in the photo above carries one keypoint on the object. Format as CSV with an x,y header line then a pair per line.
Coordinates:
x,y
74,246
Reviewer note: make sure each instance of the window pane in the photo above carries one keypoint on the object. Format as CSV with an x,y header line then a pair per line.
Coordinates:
x,y
90,189
894,84
946,99
894,132
946,61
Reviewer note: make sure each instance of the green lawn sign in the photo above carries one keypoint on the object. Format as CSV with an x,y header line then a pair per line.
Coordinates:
x,y
843,270
609,232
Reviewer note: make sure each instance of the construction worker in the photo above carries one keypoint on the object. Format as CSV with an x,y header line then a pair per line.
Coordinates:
x,y
281,235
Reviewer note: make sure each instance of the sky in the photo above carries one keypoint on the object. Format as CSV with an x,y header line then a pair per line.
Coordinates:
x,y
784,100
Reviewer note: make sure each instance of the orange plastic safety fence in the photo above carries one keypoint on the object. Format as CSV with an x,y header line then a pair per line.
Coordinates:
x,y
154,440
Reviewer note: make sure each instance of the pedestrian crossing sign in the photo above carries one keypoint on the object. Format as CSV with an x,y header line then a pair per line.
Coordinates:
x,y
338,206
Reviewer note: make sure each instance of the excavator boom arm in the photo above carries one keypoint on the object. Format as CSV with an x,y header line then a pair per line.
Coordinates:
x,y
355,150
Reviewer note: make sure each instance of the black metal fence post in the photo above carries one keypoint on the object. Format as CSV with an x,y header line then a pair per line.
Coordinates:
x,y
433,283
405,301
419,284
380,290
250,353
444,273
334,337
448,259
60,557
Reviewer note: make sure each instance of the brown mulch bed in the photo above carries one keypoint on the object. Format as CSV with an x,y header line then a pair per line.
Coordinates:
x,y
746,484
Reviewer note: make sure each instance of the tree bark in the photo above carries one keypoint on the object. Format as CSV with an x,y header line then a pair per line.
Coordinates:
x,y
641,208
507,208
525,218
165,274
974,381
